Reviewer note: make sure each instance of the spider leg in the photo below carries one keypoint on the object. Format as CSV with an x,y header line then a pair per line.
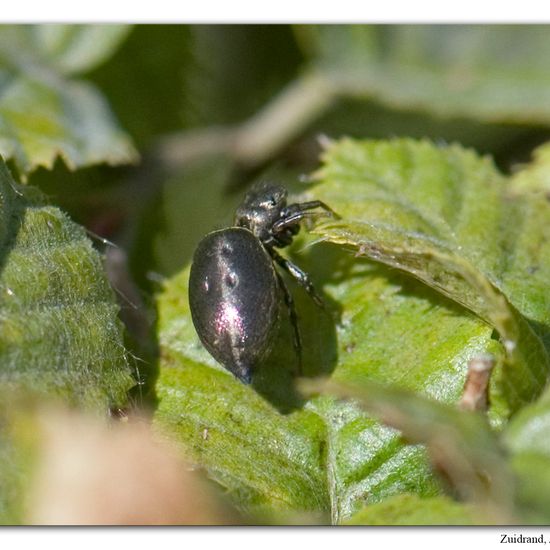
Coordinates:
x,y
297,340
300,276
311,205
294,219
296,212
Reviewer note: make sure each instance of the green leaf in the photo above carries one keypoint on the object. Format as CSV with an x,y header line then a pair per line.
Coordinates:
x,y
276,453
412,510
43,112
447,217
17,453
491,73
460,443
273,452
441,214
60,333
534,178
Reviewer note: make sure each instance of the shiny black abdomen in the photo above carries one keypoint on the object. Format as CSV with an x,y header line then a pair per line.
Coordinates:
x,y
234,296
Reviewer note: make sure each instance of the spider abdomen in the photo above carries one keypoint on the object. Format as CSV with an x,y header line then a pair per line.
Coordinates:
x,y
234,296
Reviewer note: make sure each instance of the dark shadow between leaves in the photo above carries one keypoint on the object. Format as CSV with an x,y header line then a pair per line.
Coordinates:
x,y
411,286
140,336
14,203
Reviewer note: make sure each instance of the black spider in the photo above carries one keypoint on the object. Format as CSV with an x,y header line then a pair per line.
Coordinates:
x,y
235,290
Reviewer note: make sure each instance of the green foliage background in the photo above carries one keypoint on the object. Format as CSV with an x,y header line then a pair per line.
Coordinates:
x,y
122,146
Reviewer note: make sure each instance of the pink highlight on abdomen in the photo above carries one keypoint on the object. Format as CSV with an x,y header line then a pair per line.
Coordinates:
x,y
228,320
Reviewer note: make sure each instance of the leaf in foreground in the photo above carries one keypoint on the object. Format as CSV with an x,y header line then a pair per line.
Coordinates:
x,y
527,439
412,510
59,330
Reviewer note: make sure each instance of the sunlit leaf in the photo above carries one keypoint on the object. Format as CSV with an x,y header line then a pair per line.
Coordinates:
x,y
446,216
443,215
345,458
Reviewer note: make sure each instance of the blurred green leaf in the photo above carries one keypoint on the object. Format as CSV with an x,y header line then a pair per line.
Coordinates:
x,y
535,177
527,438
43,112
60,334
75,48
412,510
16,458
168,78
250,94
496,73
447,217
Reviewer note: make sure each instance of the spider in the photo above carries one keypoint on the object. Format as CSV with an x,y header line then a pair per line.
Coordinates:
x,y
235,290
